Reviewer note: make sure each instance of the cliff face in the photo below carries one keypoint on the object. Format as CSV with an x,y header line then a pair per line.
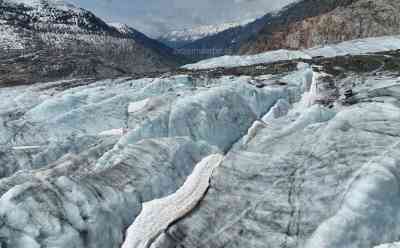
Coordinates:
x,y
231,40
359,19
244,38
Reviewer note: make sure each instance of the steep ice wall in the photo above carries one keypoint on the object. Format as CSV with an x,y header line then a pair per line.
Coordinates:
x,y
220,116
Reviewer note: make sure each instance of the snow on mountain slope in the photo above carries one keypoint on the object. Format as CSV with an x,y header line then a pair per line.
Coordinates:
x,y
354,47
59,4
48,40
10,39
54,15
179,38
231,40
199,32
123,28
304,24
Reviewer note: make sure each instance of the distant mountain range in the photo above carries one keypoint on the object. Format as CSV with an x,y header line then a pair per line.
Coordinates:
x,y
216,44
43,39
302,24
180,38
310,23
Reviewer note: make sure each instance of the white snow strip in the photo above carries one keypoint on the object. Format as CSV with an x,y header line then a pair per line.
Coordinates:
x,y
113,132
158,214
280,109
137,106
254,130
391,245
25,147
354,47
246,60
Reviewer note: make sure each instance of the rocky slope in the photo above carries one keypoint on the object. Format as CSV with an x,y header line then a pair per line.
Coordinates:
x,y
304,24
325,24
233,40
309,151
45,40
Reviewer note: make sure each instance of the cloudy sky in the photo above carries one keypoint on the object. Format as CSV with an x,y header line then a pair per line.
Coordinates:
x,y
155,17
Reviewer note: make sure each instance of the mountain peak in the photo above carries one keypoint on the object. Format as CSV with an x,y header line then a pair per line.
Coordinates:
x,y
71,42
38,4
177,38
121,27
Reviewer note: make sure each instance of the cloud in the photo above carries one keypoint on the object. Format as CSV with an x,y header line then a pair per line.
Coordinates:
x,y
155,17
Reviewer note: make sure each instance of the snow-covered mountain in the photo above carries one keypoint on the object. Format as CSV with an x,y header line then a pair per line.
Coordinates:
x,y
47,39
310,23
51,16
42,4
179,38
304,24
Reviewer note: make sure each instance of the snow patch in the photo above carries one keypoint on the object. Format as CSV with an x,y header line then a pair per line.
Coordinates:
x,y
25,147
254,130
137,106
390,245
280,109
114,132
158,214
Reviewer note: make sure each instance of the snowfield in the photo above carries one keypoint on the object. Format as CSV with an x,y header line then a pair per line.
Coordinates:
x,y
355,47
9,39
38,4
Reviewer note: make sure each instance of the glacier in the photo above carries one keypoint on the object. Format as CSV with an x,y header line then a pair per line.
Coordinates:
x,y
194,159
71,157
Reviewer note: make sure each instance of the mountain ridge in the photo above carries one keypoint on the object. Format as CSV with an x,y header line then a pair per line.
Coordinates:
x,y
344,21
304,24
179,38
45,41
